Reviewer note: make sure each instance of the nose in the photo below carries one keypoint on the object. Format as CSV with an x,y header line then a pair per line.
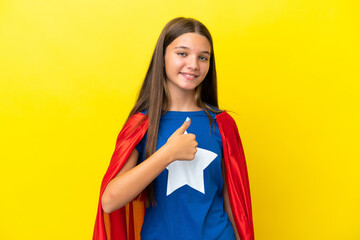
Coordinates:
x,y
193,63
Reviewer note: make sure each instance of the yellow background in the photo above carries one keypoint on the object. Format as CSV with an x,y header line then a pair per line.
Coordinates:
x,y
289,70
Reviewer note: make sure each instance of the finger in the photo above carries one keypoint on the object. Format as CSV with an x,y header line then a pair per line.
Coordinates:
x,y
183,127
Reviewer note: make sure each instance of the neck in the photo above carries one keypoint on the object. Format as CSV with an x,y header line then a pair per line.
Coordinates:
x,y
181,100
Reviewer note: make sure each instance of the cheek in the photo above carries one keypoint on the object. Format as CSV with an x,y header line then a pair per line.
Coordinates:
x,y
205,68
173,66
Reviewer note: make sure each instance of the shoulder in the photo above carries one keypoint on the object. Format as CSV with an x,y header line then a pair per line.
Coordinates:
x,y
135,121
137,118
213,111
224,117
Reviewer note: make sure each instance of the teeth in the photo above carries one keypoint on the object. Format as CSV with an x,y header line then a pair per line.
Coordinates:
x,y
188,75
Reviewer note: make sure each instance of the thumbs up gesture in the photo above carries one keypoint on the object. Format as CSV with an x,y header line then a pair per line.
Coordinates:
x,y
182,146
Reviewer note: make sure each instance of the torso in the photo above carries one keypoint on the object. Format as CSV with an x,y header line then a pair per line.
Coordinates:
x,y
189,193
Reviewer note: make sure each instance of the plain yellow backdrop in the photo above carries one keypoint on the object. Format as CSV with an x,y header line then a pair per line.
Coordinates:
x,y
287,69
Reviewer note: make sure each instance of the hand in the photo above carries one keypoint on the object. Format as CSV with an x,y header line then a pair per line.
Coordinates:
x,y
182,146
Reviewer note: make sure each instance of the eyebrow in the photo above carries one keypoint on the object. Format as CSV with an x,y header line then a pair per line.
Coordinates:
x,y
183,47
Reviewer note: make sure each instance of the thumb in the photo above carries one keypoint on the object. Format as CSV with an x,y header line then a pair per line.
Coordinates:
x,y
183,127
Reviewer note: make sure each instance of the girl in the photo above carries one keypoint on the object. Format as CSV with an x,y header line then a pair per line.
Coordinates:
x,y
178,170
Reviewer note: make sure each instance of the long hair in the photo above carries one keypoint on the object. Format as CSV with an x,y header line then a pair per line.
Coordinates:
x,y
154,96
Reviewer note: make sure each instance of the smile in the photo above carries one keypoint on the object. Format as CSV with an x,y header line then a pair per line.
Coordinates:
x,y
189,76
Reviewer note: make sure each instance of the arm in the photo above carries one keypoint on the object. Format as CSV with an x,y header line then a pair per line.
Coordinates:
x,y
132,179
227,206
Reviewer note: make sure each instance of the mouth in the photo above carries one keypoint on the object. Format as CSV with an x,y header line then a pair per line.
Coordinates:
x,y
189,76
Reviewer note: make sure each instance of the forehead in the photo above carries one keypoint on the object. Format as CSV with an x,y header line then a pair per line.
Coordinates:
x,y
193,41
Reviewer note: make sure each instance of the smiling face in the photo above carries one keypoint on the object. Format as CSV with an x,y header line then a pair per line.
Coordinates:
x,y
187,61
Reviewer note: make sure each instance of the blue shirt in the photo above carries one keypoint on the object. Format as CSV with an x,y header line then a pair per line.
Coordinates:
x,y
188,194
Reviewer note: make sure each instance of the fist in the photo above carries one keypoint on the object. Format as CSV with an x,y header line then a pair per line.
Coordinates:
x,y
182,146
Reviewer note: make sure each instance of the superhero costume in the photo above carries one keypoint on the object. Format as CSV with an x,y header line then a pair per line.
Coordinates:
x,y
188,194
125,223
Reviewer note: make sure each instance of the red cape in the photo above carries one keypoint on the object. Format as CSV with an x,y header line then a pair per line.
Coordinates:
x,y
125,223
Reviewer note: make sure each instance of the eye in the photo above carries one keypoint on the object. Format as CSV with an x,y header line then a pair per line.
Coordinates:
x,y
203,58
182,54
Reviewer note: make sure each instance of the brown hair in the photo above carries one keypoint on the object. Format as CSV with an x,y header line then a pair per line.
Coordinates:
x,y
154,97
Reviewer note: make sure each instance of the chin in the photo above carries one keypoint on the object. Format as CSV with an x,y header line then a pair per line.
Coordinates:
x,y
188,88
183,85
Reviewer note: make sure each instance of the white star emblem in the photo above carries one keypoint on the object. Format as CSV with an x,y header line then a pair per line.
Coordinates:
x,y
189,173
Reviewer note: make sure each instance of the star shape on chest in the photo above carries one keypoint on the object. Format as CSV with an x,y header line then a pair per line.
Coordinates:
x,y
191,173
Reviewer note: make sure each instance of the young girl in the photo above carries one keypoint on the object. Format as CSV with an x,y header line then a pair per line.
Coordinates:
x,y
178,170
